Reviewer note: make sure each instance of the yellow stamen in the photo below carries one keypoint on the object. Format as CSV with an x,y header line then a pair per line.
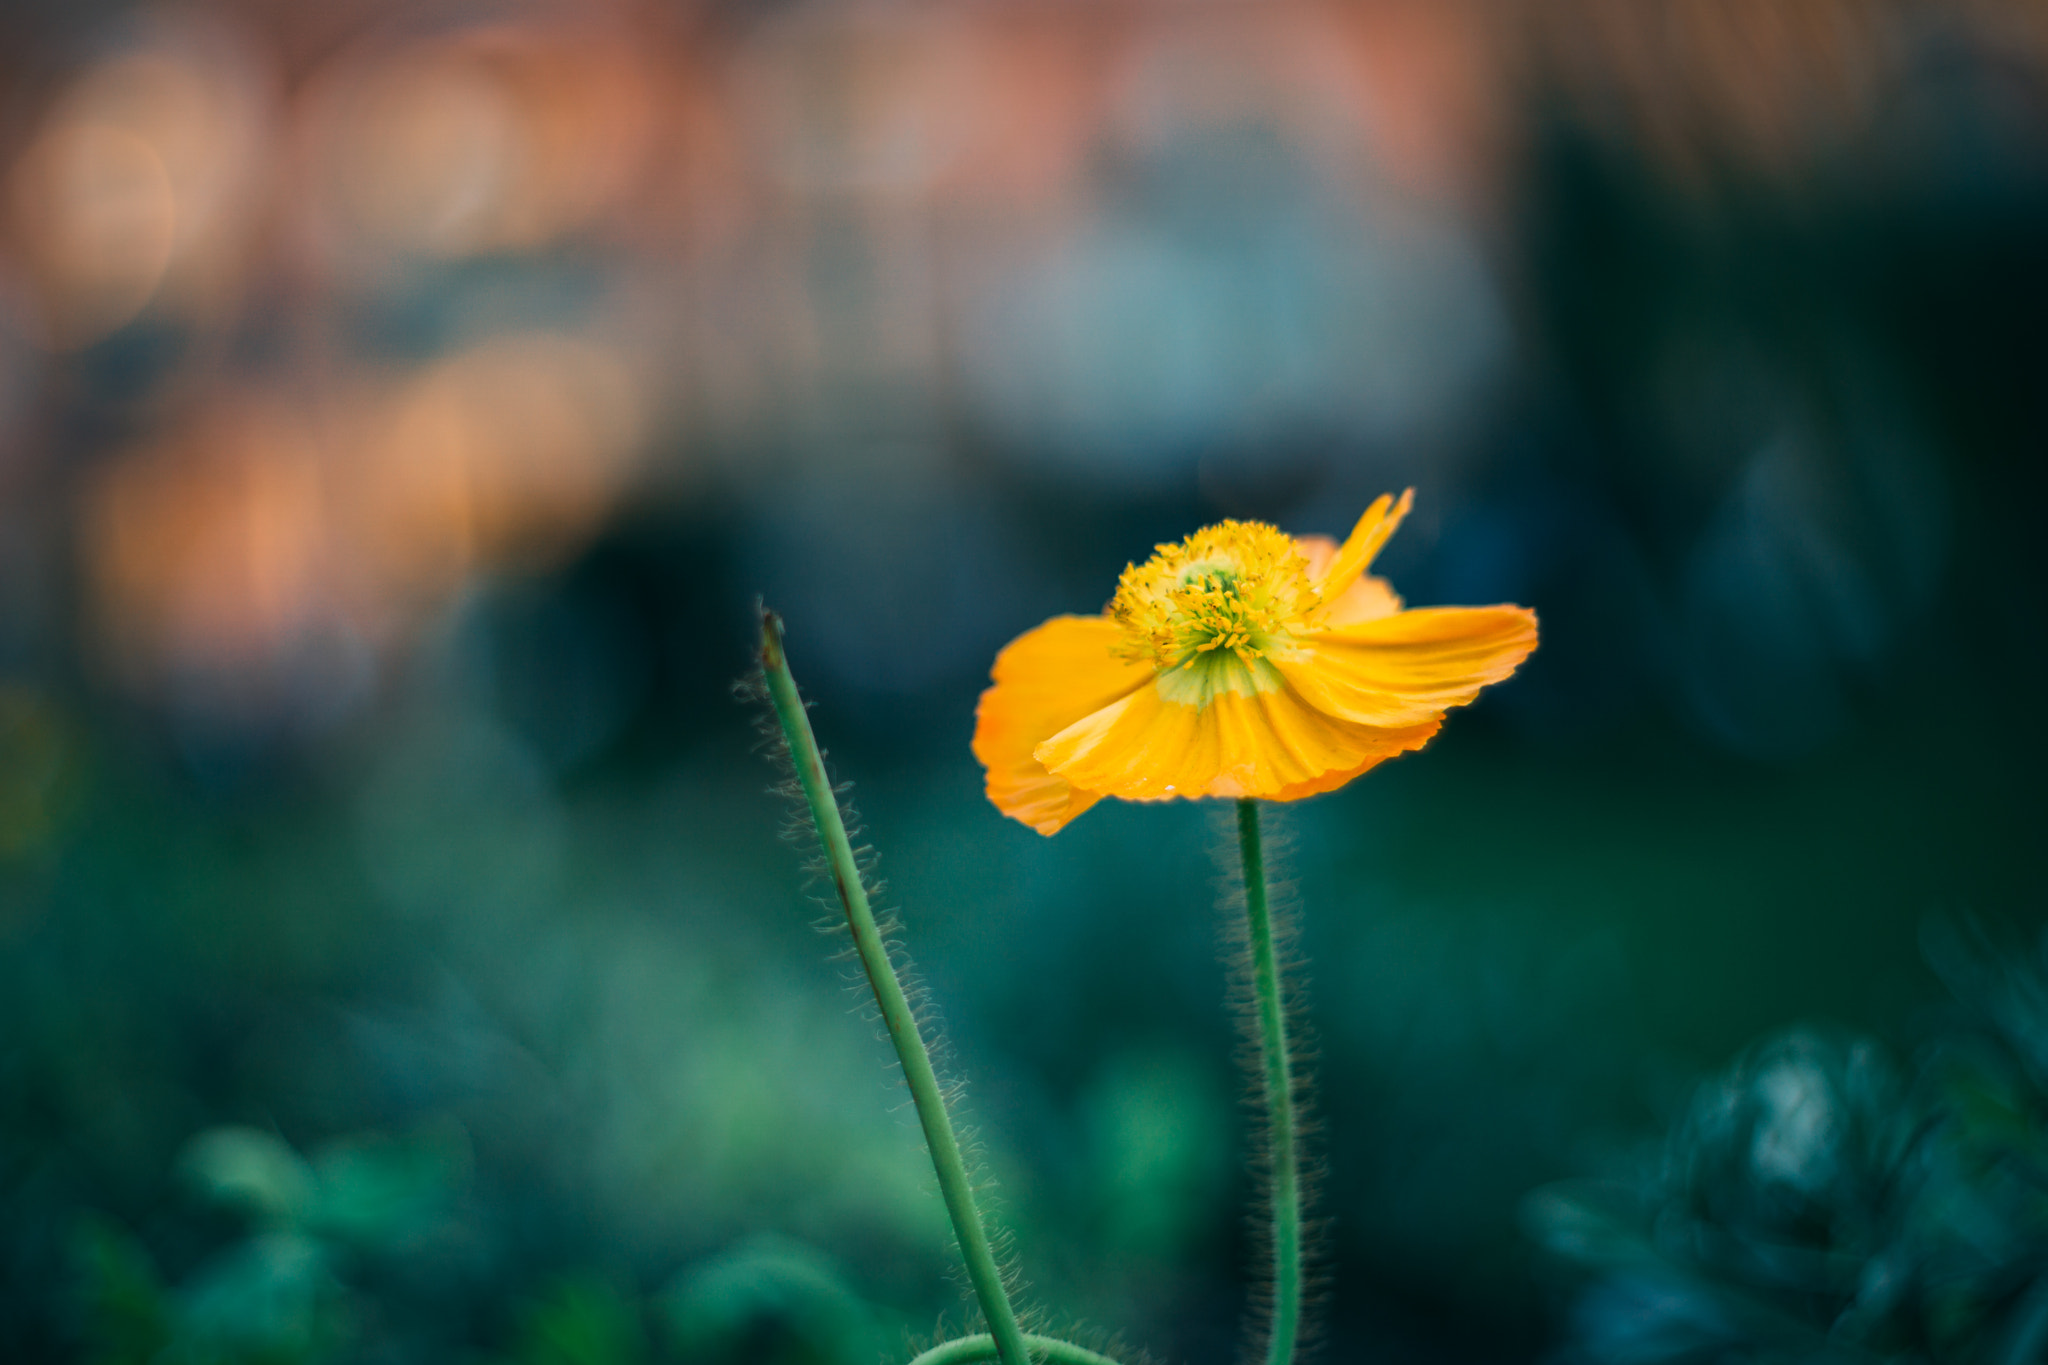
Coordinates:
x,y
1230,591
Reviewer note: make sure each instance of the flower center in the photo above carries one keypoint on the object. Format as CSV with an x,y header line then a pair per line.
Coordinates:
x,y
1217,604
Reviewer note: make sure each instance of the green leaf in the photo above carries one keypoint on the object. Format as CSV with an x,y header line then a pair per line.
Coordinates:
x,y
770,1303
251,1171
127,1319
582,1321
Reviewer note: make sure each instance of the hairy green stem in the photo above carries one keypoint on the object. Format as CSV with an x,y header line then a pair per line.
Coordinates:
x,y
897,1017
1273,1052
1051,1350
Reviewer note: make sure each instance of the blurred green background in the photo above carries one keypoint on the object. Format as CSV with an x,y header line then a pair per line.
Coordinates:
x,y
401,406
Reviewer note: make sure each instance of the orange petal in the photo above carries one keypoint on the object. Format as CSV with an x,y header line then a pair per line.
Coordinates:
x,y
1407,668
1317,552
1380,521
1367,598
1330,781
1272,744
1045,680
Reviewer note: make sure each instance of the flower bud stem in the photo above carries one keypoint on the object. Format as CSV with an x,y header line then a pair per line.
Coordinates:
x,y
1050,1350
1273,1050
897,1017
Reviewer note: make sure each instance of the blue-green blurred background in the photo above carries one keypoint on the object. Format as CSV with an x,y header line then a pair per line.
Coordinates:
x,y
401,406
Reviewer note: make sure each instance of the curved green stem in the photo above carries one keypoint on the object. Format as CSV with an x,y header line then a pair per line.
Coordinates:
x,y
897,1017
1051,1350
1273,1052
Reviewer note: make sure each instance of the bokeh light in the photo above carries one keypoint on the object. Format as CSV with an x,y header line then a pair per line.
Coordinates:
x,y
492,138
142,180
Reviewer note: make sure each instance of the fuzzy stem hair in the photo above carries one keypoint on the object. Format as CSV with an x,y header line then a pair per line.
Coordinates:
x,y
900,1020
1282,1075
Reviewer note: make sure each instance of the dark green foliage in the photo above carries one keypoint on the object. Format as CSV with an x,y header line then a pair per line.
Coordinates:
x,y
280,1293
581,1321
774,1303
127,1317
1814,1203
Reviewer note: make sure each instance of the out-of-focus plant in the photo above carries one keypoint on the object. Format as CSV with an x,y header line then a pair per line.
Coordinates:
x,y
773,1302
279,1294
1816,1204
1240,663
581,1321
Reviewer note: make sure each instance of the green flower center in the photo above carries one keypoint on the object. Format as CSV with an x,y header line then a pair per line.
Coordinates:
x,y
1210,612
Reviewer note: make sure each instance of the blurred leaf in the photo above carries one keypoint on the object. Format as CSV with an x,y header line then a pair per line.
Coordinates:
x,y
375,1191
251,1171
770,1303
1814,1204
581,1322
272,1299
1767,1229
1586,1222
127,1320
1652,1318
1157,1126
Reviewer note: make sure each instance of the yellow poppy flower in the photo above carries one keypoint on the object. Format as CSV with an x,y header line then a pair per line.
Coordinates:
x,y
1240,662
